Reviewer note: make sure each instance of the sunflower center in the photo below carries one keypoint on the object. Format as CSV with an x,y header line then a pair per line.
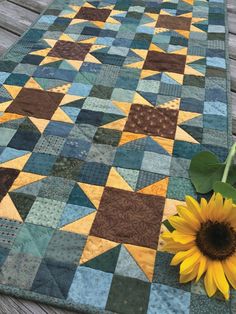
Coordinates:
x,y
216,240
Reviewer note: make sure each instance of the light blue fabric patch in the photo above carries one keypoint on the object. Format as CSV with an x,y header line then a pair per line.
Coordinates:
x,y
168,300
216,62
215,107
216,29
80,89
3,77
6,136
157,163
90,287
47,19
11,153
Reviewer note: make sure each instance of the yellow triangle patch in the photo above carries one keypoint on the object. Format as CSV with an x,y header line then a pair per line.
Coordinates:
x,y
42,52
40,124
190,71
90,58
13,90
51,42
158,188
5,105
115,180
10,117
66,37
95,247
181,135
124,106
141,100
127,137
144,257
116,125
81,226
186,115
171,104
93,192
179,78
70,98
60,115
166,143
33,84
8,209
137,65
17,163
25,178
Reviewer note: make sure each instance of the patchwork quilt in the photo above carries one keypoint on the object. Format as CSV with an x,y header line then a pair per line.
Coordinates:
x,y
103,103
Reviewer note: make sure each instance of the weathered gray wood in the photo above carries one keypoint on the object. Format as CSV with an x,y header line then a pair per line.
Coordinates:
x,y
7,39
14,18
233,74
232,46
231,6
36,5
233,102
232,22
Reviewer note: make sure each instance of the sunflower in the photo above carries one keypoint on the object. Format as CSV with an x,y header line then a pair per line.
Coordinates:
x,y
204,243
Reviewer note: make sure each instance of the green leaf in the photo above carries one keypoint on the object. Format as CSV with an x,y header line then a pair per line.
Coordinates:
x,y
232,175
225,189
205,169
168,225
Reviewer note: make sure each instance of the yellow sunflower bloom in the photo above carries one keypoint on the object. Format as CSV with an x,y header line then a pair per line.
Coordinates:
x,y
204,243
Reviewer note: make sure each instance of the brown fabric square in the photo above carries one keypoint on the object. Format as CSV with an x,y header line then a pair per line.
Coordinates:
x,y
129,217
152,121
7,177
35,103
174,22
93,14
69,50
165,62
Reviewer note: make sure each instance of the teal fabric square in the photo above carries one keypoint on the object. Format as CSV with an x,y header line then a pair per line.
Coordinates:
x,y
178,188
90,287
32,240
168,300
157,163
6,136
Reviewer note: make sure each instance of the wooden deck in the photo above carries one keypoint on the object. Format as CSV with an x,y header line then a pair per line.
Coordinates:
x,y
16,16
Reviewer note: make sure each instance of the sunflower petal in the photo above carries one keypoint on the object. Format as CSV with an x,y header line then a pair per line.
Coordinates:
x,y
202,267
227,210
230,271
203,206
183,238
216,213
180,256
209,282
181,225
188,217
188,277
189,263
194,207
219,278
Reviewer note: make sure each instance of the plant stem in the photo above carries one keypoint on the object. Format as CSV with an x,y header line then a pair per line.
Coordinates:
x,y
229,162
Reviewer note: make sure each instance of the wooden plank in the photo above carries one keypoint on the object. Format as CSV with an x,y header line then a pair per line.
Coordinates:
x,y
14,18
232,22
233,102
6,40
233,74
231,6
34,5
232,46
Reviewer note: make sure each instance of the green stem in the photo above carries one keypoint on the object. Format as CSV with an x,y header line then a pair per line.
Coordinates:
x,y
229,162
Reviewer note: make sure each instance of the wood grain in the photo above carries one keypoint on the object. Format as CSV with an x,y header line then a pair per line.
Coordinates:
x,y
7,39
14,18
36,5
